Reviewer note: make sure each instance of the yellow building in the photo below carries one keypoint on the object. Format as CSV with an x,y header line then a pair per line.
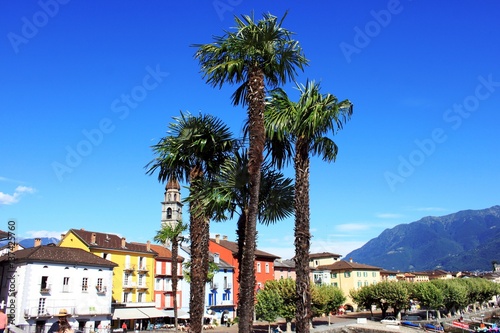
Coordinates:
x,y
346,275
133,279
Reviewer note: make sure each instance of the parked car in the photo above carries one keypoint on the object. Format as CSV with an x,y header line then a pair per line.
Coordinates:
x,y
390,320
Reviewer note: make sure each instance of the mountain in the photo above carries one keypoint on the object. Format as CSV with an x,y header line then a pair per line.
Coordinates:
x,y
30,242
468,240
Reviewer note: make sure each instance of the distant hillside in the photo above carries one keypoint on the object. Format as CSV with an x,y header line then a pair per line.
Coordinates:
x,y
468,240
30,242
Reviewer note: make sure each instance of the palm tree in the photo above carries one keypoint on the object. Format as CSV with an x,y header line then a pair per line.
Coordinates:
x,y
307,124
229,195
172,233
255,54
193,151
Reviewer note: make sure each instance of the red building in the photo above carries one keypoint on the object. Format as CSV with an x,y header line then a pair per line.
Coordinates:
x,y
228,251
164,297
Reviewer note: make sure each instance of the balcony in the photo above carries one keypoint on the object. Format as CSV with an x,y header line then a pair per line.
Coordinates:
x,y
143,285
214,285
143,269
227,285
129,268
101,290
128,285
45,289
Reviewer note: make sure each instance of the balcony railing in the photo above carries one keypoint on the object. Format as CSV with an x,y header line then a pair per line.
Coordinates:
x,y
45,289
101,289
143,285
143,268
129,268
214,285
227,285
128,285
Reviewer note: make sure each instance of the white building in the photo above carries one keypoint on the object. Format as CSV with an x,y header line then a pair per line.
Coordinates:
x,y
37,282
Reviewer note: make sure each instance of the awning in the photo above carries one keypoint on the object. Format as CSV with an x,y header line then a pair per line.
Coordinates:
x,y
180,314
129,313
152,312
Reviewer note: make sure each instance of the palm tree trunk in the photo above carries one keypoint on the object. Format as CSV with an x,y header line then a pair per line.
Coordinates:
x,y
199,233
175,251
256,105
302,237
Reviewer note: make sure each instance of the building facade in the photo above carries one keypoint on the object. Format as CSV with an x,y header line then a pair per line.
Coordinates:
x,y
42,280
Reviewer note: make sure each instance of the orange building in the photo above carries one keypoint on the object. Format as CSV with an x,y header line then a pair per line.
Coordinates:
x,y
228,251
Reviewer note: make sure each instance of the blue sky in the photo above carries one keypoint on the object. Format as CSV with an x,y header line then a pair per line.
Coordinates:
x,y
89,87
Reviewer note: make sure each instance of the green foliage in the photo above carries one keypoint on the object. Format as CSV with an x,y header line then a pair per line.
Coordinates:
x,y
326,299
287,290
269,304
212,270
427,294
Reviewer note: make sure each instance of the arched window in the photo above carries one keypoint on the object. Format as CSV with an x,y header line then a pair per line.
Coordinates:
x,y
169,213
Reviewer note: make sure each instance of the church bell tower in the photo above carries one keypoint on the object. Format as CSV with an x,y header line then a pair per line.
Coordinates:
x,y
171,207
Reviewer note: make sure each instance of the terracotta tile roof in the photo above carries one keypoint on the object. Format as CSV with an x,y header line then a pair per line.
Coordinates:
x,y
108,241
164,253
60,255
347,265
324,255
233,247
286,263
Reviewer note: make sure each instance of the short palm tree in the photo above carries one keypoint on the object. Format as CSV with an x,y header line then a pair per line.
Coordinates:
x,y
193,151
307,124
173,234
256,54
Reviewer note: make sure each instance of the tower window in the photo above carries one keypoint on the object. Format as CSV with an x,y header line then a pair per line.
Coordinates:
x,y
169,213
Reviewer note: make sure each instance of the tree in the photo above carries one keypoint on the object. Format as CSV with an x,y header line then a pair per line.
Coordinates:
x,y
454,294
194,151
286,289
256,54
326,299
229,195
268,306
307,123
428,295
173,234
364,297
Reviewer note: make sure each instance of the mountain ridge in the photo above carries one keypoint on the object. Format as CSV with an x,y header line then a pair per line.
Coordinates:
x,y
467,240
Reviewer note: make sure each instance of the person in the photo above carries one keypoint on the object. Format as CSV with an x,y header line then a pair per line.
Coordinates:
x,y
124,327
4,321
62,325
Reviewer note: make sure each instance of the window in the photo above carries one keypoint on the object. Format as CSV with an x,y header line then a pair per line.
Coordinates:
x,y
347,274
267,267
258,267
66,284
333,275
41,306
44,286
317,278
140,280
169,213
158,285
374,274
85,286
126,278
99,285
360,284
358,274
365,274
126,297
335,284
141,262
140,297
366,283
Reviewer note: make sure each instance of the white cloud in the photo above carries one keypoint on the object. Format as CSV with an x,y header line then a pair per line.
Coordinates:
x,y
389,216
44,233
10,199
348,227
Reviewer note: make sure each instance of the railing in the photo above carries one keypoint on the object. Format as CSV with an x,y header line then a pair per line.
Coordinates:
x,y
45,289
129,267
129,285
227,285
101,289
143,268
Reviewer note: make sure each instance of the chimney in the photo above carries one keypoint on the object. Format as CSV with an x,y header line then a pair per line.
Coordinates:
x,y
38,242
350,259
123,242
92,238
62,236
148,246
217,239
224,237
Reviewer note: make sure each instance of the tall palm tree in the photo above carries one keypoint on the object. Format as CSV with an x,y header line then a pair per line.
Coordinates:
x,y
256,54
193,151
229,194
173,234
307,124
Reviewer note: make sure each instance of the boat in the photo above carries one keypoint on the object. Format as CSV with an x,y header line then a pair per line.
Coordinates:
x,y
408,323
434,328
